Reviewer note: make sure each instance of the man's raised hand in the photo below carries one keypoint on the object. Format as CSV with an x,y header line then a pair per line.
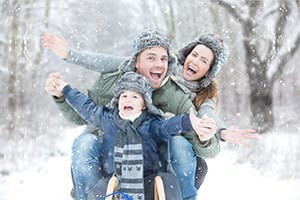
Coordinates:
x,y
56,44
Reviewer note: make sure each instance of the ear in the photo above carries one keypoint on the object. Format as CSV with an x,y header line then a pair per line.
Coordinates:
x,y
137,63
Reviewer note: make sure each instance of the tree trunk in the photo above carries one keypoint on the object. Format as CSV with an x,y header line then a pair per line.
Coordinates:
x,y
261,99
261,102
12,69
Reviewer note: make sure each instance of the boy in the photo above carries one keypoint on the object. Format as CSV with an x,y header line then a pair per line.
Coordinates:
x,y
132,129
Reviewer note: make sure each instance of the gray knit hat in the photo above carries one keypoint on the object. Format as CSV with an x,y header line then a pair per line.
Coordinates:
x,y
147,39
138,83
219,50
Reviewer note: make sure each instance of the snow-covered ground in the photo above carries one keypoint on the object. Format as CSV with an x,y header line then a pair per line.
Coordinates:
x,y
226,179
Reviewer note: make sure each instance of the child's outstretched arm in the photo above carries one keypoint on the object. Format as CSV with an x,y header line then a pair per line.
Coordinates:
x,y
85,107
103,63
163,129
68,112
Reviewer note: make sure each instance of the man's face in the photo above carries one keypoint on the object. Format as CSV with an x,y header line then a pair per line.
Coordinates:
x,y
153,64
130,103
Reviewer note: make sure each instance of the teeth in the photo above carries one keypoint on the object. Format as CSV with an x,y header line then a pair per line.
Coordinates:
x,y
155,75
192,68
128,108
159,73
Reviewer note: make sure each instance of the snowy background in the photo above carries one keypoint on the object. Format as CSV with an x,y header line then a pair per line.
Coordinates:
x,y
49,177
35,139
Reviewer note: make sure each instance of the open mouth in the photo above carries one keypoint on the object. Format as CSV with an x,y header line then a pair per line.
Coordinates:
x,y
128,108
155,75
191,70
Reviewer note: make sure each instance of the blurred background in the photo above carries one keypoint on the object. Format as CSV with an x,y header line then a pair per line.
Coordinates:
x,y
259,85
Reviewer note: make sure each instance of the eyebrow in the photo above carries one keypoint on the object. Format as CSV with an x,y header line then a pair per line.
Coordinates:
x,y
151,54
154,54
202,57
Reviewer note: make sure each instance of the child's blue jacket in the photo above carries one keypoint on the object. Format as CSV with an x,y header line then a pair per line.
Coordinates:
x,y
153,130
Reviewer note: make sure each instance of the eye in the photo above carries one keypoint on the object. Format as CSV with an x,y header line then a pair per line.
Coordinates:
x,y
151,58
136,97
124,96
194,54
164,59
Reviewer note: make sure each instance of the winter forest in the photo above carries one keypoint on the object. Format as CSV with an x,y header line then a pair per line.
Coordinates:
x,y
259,87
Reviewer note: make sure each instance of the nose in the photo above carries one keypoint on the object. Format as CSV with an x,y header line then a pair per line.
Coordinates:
x,y
194,61
159,63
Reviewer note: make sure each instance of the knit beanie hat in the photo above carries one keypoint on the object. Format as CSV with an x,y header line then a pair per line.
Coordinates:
x,y
147,39
219,50
138,83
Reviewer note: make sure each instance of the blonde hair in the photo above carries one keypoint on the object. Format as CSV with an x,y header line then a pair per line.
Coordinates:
x,y
210,92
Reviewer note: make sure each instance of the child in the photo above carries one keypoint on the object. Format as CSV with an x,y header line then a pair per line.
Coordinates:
x,y
132,128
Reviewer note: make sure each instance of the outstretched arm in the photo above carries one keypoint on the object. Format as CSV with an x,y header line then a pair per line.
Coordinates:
x,y
84,106
102,63
183,123
232,134
68,112
163,129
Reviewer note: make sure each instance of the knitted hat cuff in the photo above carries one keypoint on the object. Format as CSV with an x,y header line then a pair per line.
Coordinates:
x,y
137,83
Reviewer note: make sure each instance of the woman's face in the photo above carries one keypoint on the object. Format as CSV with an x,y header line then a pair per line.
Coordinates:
x,y
197,63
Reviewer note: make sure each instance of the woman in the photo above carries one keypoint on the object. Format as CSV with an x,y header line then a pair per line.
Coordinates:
x,y
199,62
196,76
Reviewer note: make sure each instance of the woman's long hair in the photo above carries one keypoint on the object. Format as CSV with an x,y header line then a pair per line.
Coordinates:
x,y
210,92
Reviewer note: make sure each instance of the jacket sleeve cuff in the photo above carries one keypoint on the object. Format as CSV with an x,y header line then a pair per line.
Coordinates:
x,y
59,99
66,89
71,56
205,143
186,122
218,134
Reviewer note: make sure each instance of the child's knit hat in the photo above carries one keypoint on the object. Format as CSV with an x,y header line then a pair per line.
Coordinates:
x,y
218,48
138,83
147,39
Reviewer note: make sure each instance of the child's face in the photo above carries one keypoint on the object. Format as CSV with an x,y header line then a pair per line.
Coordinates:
x,y
131,103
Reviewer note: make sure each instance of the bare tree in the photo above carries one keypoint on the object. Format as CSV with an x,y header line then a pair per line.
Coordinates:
x,y
165,13
264,65
12,63
20,78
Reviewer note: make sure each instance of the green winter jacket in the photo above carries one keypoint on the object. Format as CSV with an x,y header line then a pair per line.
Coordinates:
x,y
170,97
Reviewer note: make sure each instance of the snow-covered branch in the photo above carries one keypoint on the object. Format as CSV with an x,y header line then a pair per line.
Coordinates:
x,y
284,58
232,9
280,26
298,4
270,12
284,13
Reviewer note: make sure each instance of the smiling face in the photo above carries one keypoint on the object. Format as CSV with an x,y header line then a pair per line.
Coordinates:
x,y
130,103
153,64
197,63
